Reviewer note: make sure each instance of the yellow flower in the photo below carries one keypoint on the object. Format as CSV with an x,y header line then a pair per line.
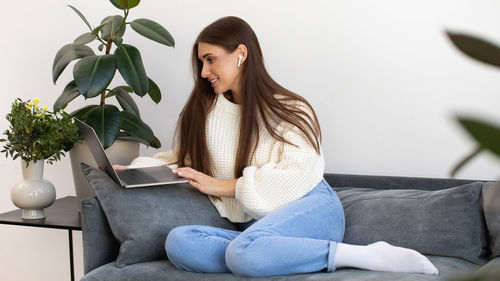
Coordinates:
x,y
30,104
28,107
36,106
45,108
38,115
36,100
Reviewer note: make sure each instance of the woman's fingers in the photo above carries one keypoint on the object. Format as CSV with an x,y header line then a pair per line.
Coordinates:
x,y
119,167
187,172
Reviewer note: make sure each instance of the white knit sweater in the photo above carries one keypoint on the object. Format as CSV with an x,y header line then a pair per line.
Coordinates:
x,y
278,175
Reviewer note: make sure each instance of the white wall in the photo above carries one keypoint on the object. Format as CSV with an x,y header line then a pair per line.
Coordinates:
x,y
382,77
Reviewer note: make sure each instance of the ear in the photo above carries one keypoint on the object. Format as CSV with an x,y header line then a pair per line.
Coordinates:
x,y
242,49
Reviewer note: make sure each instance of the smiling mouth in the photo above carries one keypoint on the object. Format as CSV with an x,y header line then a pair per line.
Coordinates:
x,y
213,81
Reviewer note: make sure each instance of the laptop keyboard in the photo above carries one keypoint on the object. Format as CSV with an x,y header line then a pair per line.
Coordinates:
x,y
135,176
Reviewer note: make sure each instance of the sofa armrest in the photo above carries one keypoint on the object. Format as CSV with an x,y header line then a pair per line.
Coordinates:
x,y
99,244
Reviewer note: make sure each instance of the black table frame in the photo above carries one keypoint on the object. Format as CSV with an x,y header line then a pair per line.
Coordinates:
x,y
63,214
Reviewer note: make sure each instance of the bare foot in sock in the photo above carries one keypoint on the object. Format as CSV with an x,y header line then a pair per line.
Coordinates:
x,y
382,256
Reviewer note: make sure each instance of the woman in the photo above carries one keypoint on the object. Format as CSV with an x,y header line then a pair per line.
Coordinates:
x,y
254,148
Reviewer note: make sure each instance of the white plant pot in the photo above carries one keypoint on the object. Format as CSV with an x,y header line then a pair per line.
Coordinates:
x,y
121,152
33,193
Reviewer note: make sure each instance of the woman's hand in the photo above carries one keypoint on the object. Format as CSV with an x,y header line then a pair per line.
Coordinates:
x,y
119,167
207,184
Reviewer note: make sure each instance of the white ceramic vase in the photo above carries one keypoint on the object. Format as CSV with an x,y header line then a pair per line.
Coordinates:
x,y
33,193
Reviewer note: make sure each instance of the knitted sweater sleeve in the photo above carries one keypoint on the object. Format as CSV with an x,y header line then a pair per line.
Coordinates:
x,y
262,190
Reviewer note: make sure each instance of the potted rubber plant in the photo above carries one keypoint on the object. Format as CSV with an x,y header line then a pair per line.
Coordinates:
x,y
92,74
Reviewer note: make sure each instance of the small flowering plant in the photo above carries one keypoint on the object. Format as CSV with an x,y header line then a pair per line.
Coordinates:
x,y
38,134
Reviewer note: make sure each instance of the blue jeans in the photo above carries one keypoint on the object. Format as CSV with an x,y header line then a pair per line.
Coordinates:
x,y
298,238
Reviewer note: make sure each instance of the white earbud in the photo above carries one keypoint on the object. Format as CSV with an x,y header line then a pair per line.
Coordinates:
x,y
239,59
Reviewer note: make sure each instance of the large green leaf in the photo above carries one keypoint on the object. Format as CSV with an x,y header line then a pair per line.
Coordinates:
x,y
127,103
118,40
93,74
67,54
153,31
106,121
111,25
69,93
154,91
128,4
476,48
486,134
81,16
129,63
83,112
133,138
84,38
136,127
116,4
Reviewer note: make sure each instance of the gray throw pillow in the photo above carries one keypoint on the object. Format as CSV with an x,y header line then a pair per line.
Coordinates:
x,y
491,195
141,218
446,222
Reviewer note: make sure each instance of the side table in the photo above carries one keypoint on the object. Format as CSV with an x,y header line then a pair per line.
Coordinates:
x,y
63,214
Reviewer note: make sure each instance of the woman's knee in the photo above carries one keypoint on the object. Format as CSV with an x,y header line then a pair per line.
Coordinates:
x,y
243,260
177,241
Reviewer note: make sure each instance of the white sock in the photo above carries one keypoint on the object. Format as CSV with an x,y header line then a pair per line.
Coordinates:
x,y
381,256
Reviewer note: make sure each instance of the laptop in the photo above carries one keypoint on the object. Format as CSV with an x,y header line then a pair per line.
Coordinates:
x,y
128,178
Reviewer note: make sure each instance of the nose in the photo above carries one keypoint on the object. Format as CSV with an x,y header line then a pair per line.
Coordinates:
x,y
204,71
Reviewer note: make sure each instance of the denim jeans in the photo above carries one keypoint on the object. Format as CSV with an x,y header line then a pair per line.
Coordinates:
x,y
298,238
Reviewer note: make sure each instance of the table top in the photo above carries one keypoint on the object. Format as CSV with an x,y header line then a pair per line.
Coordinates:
x,y
63,214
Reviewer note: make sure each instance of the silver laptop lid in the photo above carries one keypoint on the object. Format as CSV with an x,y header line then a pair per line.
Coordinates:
x,y
97,150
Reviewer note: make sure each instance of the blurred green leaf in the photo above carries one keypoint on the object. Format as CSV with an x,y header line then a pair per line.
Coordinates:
x,y
106,121
486,134
153,31
93,74
465,161
154,91
67,54
111,25
69,93
476,48
129,63
81,16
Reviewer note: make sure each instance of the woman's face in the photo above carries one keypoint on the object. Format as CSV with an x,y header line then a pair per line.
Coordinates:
x,y
220,68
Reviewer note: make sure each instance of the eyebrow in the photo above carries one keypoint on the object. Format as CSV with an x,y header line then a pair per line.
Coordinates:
x,y
205,55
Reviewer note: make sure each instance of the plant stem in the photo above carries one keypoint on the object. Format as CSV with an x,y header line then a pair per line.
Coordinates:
x,y
123,22
108,49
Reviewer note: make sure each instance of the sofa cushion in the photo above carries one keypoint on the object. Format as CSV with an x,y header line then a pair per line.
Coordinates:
x,y
446,222
491,195
165,271
141,218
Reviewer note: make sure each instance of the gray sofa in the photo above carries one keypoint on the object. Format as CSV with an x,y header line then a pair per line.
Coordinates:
x,y
421,213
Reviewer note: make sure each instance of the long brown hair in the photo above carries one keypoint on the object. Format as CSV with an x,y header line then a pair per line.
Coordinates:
x,y
261,96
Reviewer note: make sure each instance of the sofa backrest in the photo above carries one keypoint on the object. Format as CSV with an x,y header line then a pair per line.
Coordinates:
x,y
393,182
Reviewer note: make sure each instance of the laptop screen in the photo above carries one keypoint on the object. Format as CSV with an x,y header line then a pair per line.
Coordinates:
x,y
97,150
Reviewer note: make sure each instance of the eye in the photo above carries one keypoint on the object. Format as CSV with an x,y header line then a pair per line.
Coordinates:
x,y
210,60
